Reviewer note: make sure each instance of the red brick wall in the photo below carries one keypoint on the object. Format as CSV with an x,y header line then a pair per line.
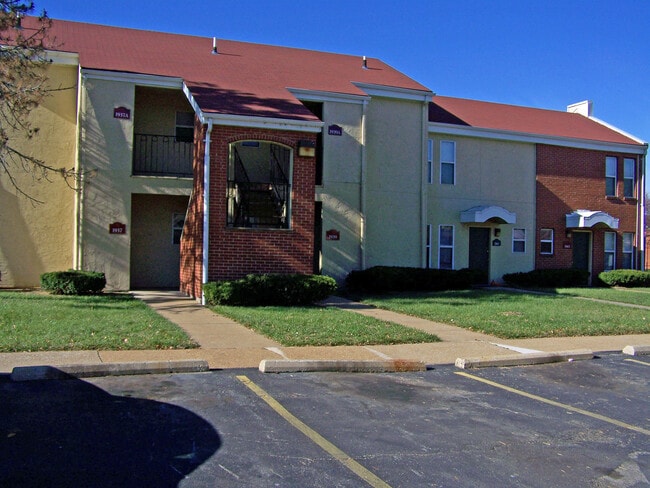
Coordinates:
x,y
234,253
569,179
192,240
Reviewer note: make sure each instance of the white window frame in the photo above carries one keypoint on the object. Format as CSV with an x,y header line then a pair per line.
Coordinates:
x,y
518,239
178,223
609,250
442,246
611,174
181,126
628,250
542,241
451,162
429,246
629,177
430,161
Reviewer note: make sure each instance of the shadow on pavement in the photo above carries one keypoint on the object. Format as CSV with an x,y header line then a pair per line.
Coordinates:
x,y
71,433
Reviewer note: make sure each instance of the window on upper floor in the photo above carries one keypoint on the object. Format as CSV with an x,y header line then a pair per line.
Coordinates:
x,y
184,127
610,251
446,247
430,161
628,250
447,162
629,172
518,240
610,176
546,241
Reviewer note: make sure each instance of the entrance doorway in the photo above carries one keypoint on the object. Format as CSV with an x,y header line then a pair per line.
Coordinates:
x,y
479,251
581,250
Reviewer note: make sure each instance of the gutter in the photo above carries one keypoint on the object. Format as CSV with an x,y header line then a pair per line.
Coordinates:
x,y
362,189
206,207
77,255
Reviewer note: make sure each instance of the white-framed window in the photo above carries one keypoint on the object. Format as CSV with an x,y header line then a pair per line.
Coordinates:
x,y
447,162
629,172
628,250
430,161
518,240
546,241
610,251
178,221
429,246
611,163
184,126
446,247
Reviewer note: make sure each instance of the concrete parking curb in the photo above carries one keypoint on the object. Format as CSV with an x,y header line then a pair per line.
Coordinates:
x,y
342,366
636,350
524,359
30,373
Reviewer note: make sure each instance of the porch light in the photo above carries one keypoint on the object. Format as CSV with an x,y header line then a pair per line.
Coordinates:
x,y
568,234
497,232
306,149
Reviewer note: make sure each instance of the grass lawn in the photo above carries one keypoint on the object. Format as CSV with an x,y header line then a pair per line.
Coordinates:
x,y
39,322
635,296
317,326
513,315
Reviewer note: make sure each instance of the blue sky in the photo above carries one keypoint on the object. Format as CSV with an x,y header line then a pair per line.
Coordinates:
x,y
545,54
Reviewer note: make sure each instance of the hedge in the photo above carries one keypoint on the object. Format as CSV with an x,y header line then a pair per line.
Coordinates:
x,y
549,278
625,277
384,279
73,282
270,289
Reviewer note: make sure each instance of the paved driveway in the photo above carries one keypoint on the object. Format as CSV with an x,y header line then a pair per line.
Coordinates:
x,y
585,423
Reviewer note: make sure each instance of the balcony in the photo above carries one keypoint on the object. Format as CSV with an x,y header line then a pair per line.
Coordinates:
x,y
161,155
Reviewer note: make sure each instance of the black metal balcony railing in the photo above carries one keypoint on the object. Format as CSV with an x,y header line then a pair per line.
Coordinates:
x,y
160,155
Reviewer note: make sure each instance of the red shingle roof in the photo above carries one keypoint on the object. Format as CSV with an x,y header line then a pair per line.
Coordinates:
x,y
488,115
243,79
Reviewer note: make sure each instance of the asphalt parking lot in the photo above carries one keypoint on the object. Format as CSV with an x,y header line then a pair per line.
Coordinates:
x,y
581,423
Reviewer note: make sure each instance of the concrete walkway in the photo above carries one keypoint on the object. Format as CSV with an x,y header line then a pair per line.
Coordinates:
x,y
224,344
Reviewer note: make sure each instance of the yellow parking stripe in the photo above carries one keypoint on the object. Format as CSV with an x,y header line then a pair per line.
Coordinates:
x,y
548,401
315,437
637,362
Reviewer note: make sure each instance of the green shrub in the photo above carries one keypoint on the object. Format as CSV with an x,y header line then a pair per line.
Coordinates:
x,y
270,289
549,278
73,282
625,277
384,279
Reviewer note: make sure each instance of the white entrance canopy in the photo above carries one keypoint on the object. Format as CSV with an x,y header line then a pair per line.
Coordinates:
x,y
485,213
585,219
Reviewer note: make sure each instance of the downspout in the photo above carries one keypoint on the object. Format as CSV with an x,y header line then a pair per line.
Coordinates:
x,y
423,184
77,255
362,189
641,218
206,207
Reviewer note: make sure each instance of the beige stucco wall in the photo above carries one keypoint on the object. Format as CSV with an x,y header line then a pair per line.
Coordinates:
x,y
394,179
340,192
488,172
106,149
37,238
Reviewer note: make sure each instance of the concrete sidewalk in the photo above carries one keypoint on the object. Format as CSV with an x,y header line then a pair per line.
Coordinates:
x,y
224,344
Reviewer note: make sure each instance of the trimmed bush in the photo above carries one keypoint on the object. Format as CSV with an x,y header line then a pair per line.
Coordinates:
x,y
385,279
549,278
625,277
270,289
73,282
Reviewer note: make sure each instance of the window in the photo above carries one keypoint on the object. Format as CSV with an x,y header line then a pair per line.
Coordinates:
x,y
518,240
184,127
178,221
629,168
447,162
610,251
546,241
259,185
628,250
610,176
429,245
446,247
430,161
